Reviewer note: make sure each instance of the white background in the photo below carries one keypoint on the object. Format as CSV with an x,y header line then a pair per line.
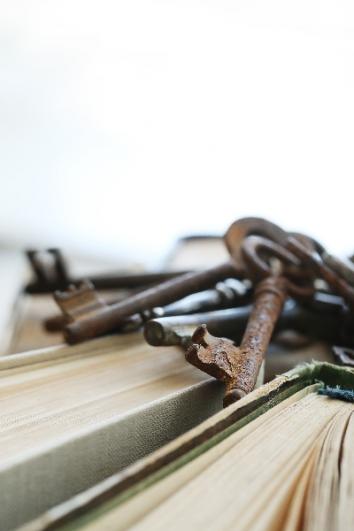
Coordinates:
x,y
124,124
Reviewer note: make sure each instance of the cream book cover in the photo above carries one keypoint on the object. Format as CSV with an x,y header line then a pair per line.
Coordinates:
x,y
279,459
72,416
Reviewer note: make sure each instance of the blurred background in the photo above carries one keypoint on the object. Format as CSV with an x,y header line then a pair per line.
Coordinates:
x,y
126,124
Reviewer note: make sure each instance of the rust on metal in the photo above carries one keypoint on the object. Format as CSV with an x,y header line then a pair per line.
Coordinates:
x,y
326,324
79,302
244,227
49,270
238,367
314,260
272,263
52,274
178,330
227,294
108,319
345,269
255,251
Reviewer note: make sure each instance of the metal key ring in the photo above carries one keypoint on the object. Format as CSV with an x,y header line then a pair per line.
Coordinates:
x,y
259,269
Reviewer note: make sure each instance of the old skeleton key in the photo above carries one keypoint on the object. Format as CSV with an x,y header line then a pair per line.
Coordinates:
x,y
83,300
51,273
314,260
239,366
109,318
328,321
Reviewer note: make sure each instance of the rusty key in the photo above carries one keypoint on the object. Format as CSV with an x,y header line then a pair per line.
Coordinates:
x,y
84,299
344,268
327,321
49,269
51,274
239,366
178,329
106,320
332,278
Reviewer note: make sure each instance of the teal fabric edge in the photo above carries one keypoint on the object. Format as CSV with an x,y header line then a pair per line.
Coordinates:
x,y
327,373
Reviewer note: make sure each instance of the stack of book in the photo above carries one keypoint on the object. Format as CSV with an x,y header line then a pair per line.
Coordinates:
x,y
280,459
71,416
116,434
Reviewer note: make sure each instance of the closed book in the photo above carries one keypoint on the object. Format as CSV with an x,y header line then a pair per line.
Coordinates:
x,y
72,416
282,458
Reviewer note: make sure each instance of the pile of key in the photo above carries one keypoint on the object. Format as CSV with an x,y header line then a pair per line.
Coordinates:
x,y
273,280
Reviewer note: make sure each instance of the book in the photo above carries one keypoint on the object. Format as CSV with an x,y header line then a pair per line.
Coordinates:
x,y
72,416
280,459
12,279
29,332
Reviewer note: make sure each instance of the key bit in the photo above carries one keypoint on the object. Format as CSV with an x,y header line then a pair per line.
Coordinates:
x,y
108,319
238,367
49,269
67,301
79,302
214,355
83,301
